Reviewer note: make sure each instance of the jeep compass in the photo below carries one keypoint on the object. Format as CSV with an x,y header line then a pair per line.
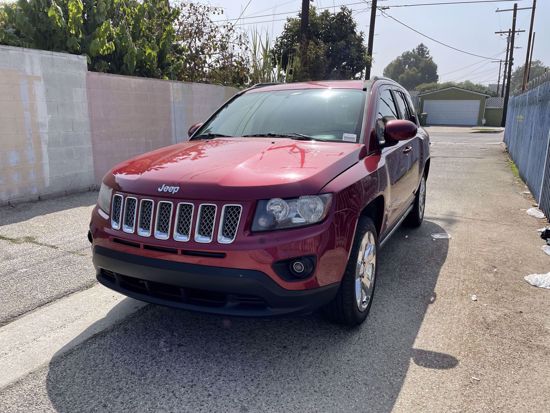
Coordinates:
x,y
277,204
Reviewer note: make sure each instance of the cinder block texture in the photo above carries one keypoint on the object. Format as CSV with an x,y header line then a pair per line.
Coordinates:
x,y
62,127
44,128
128,116
194,102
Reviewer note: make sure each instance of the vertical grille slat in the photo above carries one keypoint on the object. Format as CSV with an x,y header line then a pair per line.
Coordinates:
x,y
145,220
206,220
184,219
231,216
116,211
129,221
164,220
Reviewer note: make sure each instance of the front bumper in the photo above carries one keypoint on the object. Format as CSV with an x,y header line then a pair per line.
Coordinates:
x,y
203,288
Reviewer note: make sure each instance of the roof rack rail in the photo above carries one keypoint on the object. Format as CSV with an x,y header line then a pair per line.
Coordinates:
x,y
257,85
376,78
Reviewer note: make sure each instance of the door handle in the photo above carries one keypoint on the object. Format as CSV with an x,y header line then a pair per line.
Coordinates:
x,y
407,149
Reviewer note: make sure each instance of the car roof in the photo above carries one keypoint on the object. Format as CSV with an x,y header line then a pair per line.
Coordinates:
x,y
321,84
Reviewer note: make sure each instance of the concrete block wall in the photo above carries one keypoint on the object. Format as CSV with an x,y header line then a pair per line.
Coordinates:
x,y
62,127
45,143
128,116
194,102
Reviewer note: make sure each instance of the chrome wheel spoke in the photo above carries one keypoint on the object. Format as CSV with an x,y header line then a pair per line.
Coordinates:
x,y
365,271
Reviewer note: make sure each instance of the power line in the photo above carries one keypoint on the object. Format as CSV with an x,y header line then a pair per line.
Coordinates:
x,y
242,12
472,64
449,3
431,38
289,12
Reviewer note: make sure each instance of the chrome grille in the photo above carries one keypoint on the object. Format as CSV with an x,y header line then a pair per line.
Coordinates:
x,y
116,215
164,220
129,221
230,218
205,223
184,219
145,220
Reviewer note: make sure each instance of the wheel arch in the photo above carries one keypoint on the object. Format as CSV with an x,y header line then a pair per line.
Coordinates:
x,y
375,210
427,168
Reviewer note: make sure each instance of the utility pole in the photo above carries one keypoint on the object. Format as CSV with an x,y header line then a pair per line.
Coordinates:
x,y
531,57
505,63
304,38
373,10
529,45
510,64
499,72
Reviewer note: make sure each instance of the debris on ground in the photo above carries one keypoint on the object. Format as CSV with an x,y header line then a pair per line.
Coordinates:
x,y
474,297
441,235
545,235
546,249
535,212
539,280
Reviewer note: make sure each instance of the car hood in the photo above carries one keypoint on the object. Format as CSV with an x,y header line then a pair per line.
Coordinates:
x,y
236,168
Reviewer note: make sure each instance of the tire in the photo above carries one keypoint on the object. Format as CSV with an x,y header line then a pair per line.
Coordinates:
x,y
416,216
350,307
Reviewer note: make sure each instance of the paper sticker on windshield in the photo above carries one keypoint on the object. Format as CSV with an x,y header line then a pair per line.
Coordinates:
x,y
349,137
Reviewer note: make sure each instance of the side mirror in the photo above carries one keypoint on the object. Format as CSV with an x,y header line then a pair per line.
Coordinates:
x,y
400,130
193,128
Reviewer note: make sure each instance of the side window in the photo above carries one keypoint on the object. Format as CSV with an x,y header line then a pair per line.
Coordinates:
x,y
411,109
386,106
406,107
403,107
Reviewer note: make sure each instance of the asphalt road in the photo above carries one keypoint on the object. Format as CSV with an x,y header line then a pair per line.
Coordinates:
x,y
427,346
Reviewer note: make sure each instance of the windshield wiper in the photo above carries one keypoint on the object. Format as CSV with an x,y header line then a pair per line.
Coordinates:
x,y
210,136
291,135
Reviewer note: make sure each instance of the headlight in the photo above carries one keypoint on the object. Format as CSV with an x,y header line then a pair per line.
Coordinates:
x,y
280,213
104,198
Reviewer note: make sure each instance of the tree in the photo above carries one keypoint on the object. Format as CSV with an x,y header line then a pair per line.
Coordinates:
x,y
413,68
150,38
210,52
128,37
537,69
335,49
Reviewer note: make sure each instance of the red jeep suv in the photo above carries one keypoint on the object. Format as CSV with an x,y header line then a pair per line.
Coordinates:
x,y
277,204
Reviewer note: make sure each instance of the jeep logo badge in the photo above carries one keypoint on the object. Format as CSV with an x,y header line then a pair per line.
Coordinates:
x,y
171,189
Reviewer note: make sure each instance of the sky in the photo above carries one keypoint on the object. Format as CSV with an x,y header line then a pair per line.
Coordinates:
x,y
469,27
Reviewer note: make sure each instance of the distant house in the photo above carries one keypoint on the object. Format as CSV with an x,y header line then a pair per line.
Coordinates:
x,y
453,106
494,108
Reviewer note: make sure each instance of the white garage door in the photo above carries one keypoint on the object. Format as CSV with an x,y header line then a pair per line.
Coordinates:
x,y
452,112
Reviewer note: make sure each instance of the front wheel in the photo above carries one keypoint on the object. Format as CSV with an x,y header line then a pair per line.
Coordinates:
x,y
354,299
416,216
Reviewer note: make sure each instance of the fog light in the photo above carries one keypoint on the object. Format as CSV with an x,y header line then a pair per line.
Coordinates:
x,y
296,269
301,267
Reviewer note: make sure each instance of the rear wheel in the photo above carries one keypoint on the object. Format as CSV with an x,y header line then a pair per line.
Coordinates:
x,y
354,299
416,216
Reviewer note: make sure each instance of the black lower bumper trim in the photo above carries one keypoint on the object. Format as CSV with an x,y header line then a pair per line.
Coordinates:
x,y
202,288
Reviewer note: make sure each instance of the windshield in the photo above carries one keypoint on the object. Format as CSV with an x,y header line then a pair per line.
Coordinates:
x,y
321,114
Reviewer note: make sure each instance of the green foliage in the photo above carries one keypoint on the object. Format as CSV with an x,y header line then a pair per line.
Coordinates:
x,y
413,68
537,69
149,38
335,48
263,67
210,52
468,85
